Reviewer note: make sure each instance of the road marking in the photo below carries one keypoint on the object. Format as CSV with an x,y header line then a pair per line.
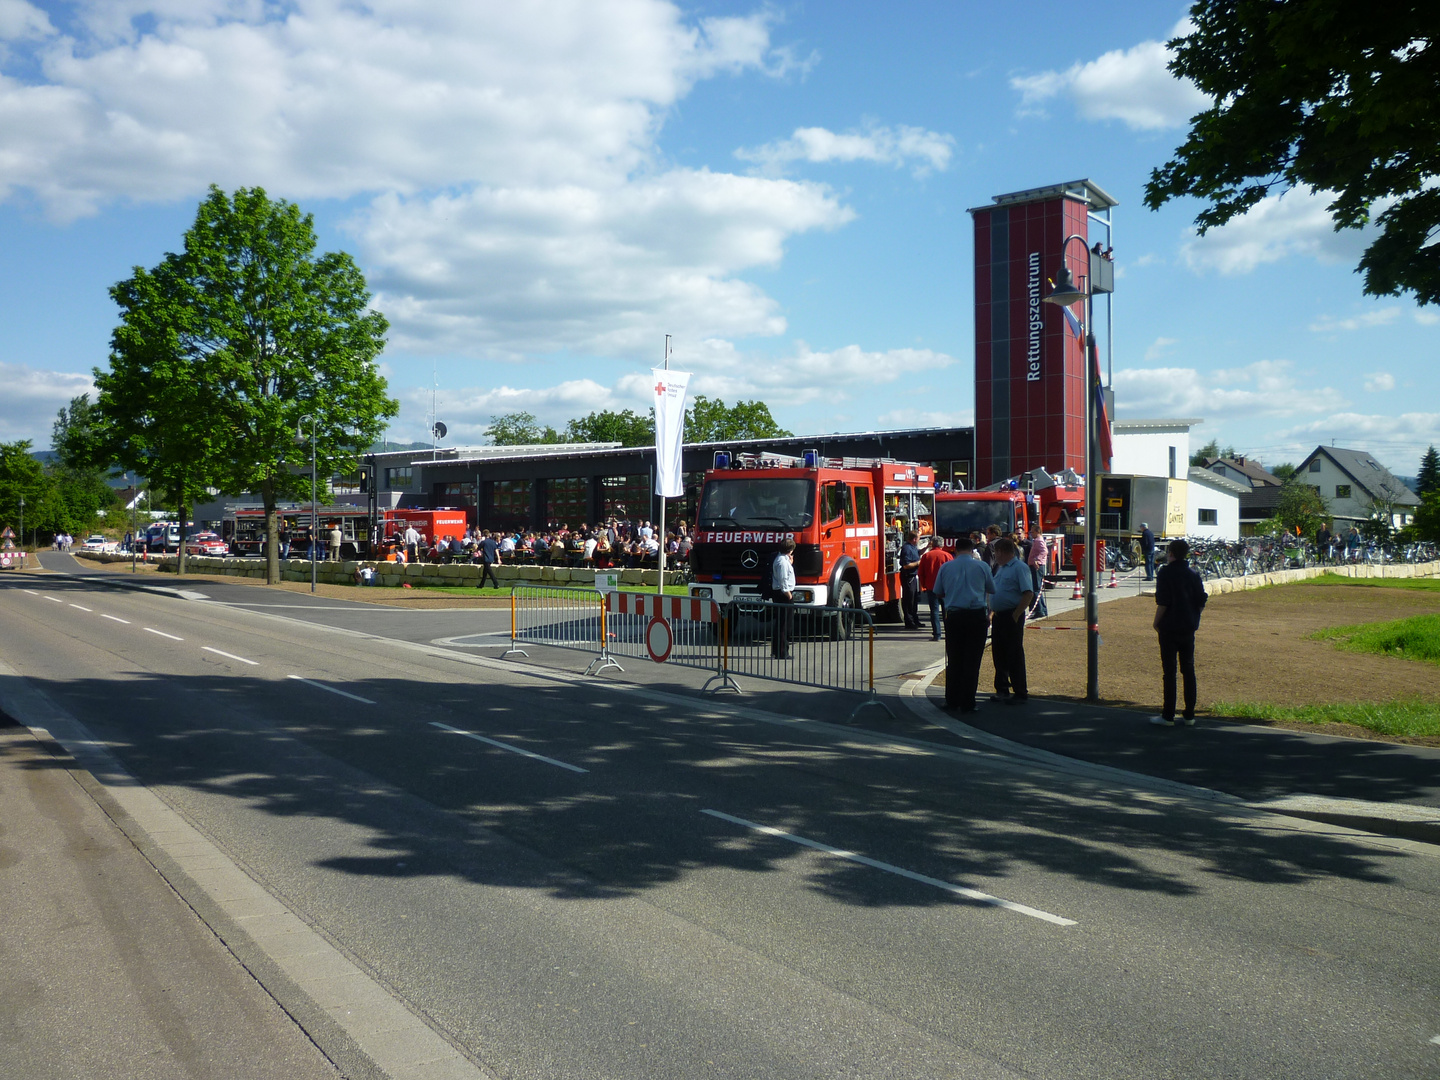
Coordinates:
x,y
115,618
187,594
32,592
53,600
231,656
162,633
322,686
507,746
840,853
1436,1040
77,607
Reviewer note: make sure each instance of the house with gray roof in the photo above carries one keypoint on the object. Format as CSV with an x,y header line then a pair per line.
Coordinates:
x,y
1356,486
1261,492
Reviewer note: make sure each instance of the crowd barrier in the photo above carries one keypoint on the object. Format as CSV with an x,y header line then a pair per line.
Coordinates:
x,y
828,649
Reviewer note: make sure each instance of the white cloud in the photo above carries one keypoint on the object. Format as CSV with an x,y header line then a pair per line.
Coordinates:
x,y
1264,388
1328,324
1378,381
1277,227
514,271
926,150
1427,318
1160,347
718,370
322,99
31,399
23,21
1398,442
1130,85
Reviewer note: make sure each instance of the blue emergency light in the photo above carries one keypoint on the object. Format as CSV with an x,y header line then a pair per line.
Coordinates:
x,y
722,459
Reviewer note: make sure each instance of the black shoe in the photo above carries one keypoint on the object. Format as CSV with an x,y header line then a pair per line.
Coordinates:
x,y
999,697
1018,699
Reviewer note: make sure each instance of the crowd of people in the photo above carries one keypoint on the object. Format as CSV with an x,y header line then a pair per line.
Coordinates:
x,y
614,544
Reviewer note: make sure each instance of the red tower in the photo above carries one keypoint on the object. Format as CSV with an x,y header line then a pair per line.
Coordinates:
x,y
1029,366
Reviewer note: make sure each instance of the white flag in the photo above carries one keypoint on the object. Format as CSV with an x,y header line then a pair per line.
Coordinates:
x,y
669,431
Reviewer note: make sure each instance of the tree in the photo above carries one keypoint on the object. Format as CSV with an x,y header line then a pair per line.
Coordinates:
x,y
22,476
1284,470
1427,480
520,429
709,420
1313,93
1210,450
1301,507
224,349
1427,517
80,483
627,427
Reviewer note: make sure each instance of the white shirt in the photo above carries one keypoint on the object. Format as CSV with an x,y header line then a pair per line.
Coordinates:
x,y
411,536
782,575
507,545
590,547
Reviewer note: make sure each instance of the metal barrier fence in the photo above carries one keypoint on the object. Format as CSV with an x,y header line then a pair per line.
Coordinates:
x,y
827,649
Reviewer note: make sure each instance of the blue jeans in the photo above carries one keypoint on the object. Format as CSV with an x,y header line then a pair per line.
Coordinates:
x,y
937,617
1150,565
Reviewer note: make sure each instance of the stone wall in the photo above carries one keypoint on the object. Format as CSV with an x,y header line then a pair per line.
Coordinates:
x,y
1285,577
389,573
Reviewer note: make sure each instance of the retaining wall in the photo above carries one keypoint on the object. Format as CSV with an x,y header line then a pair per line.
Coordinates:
x,y
1358,570
389,573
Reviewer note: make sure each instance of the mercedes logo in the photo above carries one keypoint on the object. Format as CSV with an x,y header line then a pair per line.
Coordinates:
x,y
749,558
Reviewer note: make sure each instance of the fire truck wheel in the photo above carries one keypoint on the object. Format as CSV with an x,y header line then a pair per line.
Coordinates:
x,y
844,622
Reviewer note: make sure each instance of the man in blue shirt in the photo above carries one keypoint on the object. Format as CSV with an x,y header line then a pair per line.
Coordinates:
x,y
962,585
1014,592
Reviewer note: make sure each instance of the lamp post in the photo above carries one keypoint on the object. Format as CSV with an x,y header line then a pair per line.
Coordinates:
x,y
1063,295
134,523
23,556
314,508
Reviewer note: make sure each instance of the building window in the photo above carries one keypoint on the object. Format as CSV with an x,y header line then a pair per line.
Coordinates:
x,y
1172,463
1342,491
625,498
399,479
461,494
1315,465
1209,517
567,501
510,505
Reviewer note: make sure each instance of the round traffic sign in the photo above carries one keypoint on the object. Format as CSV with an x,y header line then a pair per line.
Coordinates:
x,y
658,639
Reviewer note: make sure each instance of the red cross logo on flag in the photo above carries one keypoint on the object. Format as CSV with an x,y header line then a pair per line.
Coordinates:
x,y
659,388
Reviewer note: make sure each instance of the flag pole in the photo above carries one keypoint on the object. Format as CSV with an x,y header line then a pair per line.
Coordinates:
x,y
660,587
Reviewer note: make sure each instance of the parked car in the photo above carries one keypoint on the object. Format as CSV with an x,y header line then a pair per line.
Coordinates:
x,y
97,542
206,543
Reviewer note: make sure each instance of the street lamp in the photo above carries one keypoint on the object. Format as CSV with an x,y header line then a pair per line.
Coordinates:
x,y
1063,295
314,508
23,556
134,522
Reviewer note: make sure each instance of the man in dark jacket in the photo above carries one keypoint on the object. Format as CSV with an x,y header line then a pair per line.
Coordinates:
x,y
1179,599
489,558
1147,548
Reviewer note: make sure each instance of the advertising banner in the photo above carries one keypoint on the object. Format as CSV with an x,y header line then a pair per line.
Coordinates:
x,y
669,431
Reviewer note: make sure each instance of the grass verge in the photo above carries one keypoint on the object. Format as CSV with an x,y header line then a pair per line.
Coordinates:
x,y
1415,638
1424,584
470,590
1411,718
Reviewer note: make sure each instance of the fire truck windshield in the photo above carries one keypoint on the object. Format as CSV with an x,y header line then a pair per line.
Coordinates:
x,y
757,501
961,517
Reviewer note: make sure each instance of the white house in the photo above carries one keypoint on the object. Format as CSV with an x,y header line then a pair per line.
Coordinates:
x,y
1212,507
1354,484
1151,447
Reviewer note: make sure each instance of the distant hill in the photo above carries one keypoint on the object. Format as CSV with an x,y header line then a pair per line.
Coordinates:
x,y
1411,482
392,447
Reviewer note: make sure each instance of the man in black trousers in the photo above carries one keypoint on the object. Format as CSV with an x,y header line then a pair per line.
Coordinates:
x,y
1179,599
962,585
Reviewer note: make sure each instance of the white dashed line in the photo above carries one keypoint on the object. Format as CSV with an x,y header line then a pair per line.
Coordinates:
x,y
1436,1040
162,633
231,656
115,618
53,600
32,592
333,690
77,607
507,746
840,853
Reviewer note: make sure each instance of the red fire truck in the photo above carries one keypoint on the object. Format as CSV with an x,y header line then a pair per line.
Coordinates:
x,y
846,516
244,528
1053,501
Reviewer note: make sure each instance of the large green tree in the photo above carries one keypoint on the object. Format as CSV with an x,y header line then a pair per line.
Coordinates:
x,y
80,483
1327,95
627,427
1427,480
1211,449
22,476
521,429
1299,509
238,340
711,420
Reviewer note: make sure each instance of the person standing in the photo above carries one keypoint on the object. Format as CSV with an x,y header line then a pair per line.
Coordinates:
x,y
1037,557
489,558
1179,598
782,594
1147,549
336,538
909,583
412,543
1014,592
930,563
962,584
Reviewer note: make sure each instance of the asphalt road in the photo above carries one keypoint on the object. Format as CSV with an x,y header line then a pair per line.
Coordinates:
x,y
640,893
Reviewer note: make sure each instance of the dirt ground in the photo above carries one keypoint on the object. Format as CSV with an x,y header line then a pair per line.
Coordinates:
x,y
1252,646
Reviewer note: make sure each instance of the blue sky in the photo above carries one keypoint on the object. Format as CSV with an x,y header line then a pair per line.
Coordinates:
x,y
539,192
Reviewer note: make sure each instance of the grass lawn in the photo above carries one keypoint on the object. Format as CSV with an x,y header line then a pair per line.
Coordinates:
x,y
489,590
1424,584
1415,638
1410,718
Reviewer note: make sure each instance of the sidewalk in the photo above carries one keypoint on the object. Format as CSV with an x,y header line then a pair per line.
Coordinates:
x,y
1364,784
106,972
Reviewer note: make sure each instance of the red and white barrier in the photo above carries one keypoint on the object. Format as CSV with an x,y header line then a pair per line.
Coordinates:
x,y
650,605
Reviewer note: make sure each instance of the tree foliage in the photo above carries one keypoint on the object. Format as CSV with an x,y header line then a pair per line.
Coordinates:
x,y
1210,450
1284,470
224,348
710,420
706,420
1318,93
521,429
1427,480
1300,509
1427,517
627,427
